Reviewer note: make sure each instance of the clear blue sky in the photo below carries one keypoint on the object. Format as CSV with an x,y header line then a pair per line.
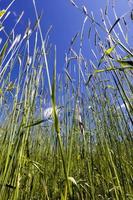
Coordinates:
x,y
65,18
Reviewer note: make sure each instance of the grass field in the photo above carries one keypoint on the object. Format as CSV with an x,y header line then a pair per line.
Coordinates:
x,y
86,152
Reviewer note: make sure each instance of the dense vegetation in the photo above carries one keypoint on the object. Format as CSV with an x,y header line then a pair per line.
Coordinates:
x,y
87,151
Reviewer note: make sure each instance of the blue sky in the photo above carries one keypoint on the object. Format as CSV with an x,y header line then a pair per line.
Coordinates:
x,y
65,19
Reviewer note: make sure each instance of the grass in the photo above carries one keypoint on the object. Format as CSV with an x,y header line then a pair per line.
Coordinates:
x,y
72,158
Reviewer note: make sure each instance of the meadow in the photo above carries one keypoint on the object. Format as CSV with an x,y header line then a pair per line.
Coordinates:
x,y
86,151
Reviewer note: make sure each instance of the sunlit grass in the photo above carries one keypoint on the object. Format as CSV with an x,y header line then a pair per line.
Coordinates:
x,y
86,152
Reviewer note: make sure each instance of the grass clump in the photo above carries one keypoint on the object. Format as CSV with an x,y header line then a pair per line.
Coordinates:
x,y
86,152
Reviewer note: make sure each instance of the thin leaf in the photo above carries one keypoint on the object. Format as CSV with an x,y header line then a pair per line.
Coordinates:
x,y
35,123
68,75
73,181
73,3
125,63
116,22
1,92
56,122
113,69
35,26
74,38
87,82
131,15
85,10
3,51
123,46
2,12
109,51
